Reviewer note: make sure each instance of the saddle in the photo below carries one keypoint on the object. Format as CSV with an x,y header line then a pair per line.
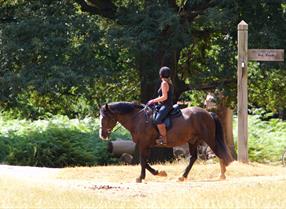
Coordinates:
x,y
175,112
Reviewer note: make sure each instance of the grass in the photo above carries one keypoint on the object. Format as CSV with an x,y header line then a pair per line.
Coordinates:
x,y
24,194
201,170
247,186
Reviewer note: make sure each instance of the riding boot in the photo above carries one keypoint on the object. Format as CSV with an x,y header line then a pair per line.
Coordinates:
x,y
163,134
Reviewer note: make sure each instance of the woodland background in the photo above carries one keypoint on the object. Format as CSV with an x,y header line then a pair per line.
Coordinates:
x,y
64,59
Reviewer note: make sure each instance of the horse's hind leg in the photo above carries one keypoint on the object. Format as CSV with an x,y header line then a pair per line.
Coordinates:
x,y
193,158
222,170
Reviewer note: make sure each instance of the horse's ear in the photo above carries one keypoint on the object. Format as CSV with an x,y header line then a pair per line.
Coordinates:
x,y
106,107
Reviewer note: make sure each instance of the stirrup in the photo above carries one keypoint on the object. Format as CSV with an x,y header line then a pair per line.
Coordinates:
x,y
160,141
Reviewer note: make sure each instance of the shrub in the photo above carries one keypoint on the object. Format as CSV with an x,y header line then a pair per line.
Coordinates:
x,y
58,142
266,139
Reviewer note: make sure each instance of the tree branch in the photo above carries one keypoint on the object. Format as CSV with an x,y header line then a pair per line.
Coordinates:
x,y
104,8
7,19
173,4
191,12
212,85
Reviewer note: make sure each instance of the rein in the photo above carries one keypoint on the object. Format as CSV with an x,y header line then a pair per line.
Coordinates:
x,y
146,111
111,130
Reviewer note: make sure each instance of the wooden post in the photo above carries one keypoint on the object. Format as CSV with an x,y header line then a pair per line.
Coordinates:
x,y
242,91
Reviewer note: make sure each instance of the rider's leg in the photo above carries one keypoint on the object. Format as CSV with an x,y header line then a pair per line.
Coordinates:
x,y
163,133
161,115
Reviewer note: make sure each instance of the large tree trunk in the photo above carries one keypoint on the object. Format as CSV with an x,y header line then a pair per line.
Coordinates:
x,y
227,123
148,67
225,115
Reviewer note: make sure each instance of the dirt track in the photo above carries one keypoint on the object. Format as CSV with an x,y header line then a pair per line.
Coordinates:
x,y
132,189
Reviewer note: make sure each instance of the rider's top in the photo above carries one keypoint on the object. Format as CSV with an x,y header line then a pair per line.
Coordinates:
x,y
169,101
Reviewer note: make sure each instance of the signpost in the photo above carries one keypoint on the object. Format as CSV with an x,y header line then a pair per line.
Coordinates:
x,y
266,54
245,55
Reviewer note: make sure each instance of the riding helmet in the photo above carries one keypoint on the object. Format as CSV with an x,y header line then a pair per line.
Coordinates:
x,y
165,72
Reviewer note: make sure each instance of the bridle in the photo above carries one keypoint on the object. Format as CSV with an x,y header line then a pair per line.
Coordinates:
x,y
147,109
110,130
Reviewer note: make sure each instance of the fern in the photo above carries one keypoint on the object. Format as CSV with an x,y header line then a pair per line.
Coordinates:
x,y
266,139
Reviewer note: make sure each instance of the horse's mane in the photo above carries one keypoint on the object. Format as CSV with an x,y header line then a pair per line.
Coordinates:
x,y
123,107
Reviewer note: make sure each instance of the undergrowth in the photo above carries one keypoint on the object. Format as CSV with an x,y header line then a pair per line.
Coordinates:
x,y
266,139
57,142
60,141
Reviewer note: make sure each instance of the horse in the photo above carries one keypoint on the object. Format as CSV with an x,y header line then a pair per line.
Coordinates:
x,y
193,126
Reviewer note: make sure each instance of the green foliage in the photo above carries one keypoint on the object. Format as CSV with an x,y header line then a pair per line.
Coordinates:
x,y
56,60
60,142
266,139
57,142
142,28
196,98
269,95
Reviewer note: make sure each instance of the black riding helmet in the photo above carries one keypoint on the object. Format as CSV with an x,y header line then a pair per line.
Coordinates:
x,y
165,72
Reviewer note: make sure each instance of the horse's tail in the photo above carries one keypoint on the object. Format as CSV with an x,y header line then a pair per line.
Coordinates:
x,y
221,149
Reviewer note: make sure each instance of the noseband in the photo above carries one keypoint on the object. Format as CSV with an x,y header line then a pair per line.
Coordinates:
x,y
109,130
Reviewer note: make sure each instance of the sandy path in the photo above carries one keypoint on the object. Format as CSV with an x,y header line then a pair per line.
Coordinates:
x,y
28,172
119,190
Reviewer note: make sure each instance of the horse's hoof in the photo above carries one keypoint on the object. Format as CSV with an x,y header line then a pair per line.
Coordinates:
x,y
182,179
222,177
138,180
162,173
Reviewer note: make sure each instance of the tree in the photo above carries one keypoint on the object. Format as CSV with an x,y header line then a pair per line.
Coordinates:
x,y
55,59
197,39
62,56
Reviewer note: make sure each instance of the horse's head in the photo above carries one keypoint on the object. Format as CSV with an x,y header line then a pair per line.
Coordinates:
x,y
107,122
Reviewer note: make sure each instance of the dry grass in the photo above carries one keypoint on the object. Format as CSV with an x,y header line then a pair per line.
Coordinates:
x,y
247,186
200,171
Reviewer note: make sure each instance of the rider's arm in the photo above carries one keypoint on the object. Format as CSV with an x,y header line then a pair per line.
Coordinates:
x,y
165,89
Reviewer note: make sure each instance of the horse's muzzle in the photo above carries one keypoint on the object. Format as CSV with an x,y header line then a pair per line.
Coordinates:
x,y
103,134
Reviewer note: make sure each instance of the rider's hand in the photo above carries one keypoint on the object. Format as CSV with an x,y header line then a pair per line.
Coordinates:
x,y
150,102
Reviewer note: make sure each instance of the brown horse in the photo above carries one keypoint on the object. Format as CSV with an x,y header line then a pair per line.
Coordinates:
x,y
195,125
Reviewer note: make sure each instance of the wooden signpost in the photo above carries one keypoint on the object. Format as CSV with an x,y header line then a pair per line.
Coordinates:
x,y
266,54
245,55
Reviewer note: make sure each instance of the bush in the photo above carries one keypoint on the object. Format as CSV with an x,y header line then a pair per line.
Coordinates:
x,y
57,142
60,141
266,139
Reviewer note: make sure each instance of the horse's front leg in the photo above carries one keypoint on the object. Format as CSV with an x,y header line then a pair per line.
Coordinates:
x,y
155,172
144,153
152,170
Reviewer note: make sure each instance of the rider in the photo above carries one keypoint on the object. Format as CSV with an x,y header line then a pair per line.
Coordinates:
x,y
165,103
